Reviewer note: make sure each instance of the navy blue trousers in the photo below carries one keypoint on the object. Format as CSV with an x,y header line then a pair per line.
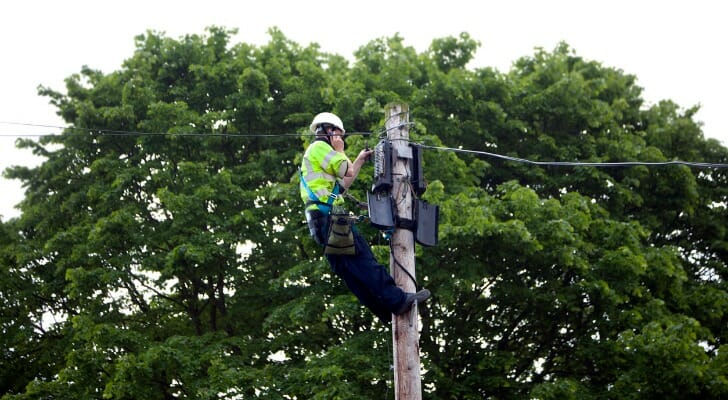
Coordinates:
x,y
370,282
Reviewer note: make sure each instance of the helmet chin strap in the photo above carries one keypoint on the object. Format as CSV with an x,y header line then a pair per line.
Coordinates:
x,y
322,132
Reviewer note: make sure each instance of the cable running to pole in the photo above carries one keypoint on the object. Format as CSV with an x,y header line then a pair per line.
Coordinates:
x,y
579,164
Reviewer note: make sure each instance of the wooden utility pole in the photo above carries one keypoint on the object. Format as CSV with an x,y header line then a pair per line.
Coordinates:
x,y
405,336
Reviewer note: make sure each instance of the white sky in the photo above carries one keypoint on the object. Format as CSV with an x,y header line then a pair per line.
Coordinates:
x,y
675,48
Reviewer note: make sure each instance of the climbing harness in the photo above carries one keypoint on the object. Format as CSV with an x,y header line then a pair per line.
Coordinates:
x,y
324,207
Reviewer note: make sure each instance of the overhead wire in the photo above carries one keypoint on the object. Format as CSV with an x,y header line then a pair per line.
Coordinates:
x,y
578,163
379,133
112,132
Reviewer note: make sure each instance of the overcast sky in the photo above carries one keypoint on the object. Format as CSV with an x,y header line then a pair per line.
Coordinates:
x,y
675,48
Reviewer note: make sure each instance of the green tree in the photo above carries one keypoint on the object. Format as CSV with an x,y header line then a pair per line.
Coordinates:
x,y
32,346
164,231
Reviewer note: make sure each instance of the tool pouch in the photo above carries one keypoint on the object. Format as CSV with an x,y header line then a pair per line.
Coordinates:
x,y
341,237
318,224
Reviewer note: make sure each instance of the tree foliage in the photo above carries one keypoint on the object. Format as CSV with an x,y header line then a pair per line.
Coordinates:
x,y
162,251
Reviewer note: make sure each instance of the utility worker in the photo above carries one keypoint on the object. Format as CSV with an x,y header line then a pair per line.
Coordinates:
x,y
326,172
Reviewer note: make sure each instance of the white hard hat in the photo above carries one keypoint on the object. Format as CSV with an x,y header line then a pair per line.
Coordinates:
x,y
327,118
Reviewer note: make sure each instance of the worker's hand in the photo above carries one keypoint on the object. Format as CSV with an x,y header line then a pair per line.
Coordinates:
x,y
337,142
364,155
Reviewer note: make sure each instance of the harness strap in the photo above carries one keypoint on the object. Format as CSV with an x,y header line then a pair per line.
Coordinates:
x,y
323,207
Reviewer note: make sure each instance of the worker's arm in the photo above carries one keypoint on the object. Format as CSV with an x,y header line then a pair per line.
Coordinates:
x,y
352,169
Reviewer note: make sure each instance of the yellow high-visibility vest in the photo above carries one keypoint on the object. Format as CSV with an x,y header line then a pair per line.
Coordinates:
x,y
322,168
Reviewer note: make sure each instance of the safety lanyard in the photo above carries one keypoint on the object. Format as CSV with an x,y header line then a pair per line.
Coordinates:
x,y
324,207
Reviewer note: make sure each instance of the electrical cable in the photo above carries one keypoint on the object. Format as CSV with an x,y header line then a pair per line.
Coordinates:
x,y
111,132
577,163
396,115
396,262
382,132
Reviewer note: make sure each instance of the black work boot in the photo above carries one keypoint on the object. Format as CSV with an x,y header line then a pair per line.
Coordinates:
x,y
419,297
